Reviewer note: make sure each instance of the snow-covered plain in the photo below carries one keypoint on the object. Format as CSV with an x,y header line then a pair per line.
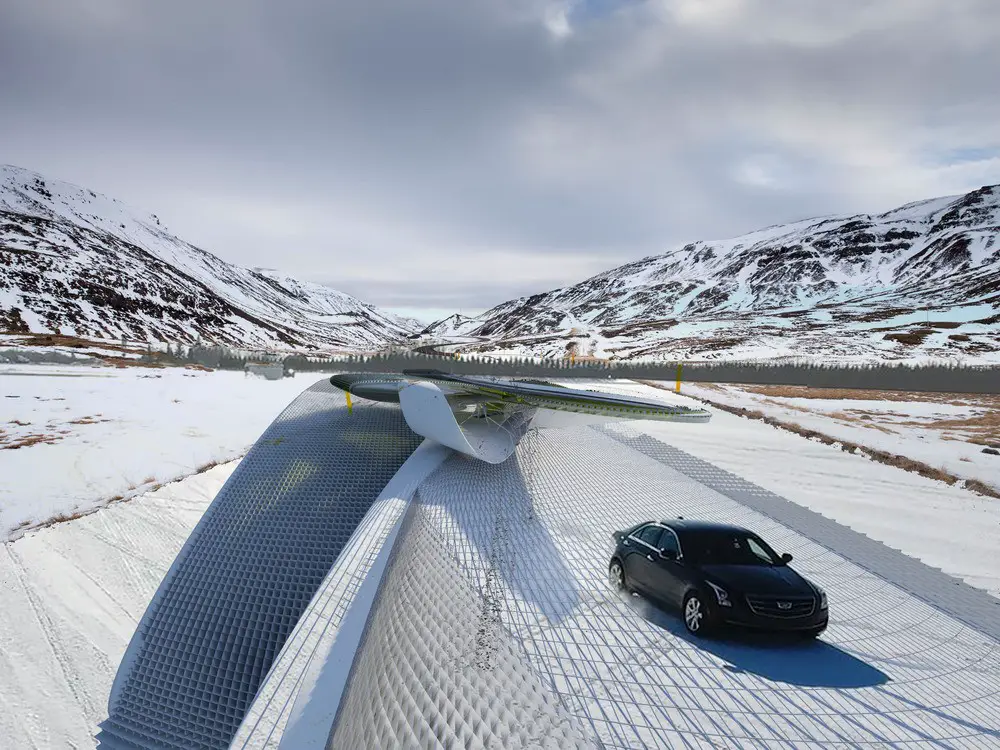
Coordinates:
x,y
71,594
935,429
70,598
74,438
944,526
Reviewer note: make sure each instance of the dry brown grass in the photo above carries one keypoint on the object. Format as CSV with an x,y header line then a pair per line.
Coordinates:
x,y
863,418
852,394
910,338
88,420
28,440
981,487
63,517
19,423
205,467
982,429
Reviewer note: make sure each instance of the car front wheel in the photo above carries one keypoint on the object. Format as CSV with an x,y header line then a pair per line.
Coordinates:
x,y
697,619
616,574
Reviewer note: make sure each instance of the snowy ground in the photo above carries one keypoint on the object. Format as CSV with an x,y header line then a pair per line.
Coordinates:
x,y
75,438
945,431
944,526
71,594
70,598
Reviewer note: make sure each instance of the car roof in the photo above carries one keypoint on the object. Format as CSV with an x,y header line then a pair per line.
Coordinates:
x,y
684,524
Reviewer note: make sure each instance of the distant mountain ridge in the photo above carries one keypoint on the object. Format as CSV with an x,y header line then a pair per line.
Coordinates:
x,y
921,281
76,262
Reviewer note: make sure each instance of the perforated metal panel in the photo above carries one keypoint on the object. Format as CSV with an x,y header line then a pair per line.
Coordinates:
x,y
249,569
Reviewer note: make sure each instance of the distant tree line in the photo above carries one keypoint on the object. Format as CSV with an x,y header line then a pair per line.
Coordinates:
x,y
930,377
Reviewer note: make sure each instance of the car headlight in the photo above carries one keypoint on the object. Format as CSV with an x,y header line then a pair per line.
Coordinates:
x,y
822,599
721,595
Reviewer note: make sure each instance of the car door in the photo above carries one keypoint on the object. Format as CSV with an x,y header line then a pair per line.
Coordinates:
x,y
642,554
668,577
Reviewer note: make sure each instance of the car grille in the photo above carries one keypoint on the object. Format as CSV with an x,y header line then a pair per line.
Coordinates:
x,y
783,607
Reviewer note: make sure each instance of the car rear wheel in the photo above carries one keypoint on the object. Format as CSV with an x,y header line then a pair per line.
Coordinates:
x,y
697,619
616,574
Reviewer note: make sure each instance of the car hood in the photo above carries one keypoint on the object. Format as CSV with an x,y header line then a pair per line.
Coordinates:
x,y
776,580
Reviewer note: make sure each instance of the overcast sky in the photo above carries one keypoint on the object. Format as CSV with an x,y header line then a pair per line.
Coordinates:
x,y
438,155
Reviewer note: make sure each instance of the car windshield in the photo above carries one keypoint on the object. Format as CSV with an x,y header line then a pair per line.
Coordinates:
x,y
729,548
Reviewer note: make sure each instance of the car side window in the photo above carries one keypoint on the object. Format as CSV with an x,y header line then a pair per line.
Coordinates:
x,y
651,536
669,542
758,550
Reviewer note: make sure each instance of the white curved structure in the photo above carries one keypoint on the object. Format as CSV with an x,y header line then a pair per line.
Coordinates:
x,y
470,608
428,413
485,417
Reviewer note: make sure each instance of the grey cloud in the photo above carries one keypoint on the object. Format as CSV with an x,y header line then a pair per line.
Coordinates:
x,y
449,125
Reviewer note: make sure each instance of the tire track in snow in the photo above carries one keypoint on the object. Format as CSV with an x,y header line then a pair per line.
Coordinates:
x,y
83,571
140,574
48,629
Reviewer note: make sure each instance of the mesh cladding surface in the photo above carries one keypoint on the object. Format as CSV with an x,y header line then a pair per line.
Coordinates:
x,y
533,537
437,671
250,568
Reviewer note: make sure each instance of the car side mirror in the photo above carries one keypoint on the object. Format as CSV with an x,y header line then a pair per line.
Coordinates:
x,y
668,554
786,558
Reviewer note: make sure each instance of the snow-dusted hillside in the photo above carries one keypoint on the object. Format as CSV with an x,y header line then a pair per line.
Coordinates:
x,y
920,281
76,262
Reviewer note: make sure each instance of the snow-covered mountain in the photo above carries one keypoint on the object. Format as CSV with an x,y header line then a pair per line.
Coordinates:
x,y
916,282
75,262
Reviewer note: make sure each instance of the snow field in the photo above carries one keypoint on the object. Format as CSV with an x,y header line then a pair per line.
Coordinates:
x,y
892,426
91,434
71,596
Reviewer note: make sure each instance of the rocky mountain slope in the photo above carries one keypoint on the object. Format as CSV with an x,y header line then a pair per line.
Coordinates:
x,y
921,281
78,263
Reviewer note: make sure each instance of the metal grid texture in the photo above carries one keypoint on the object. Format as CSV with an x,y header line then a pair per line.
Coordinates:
x,y
437,671
309,648
249,570
960,600
532,536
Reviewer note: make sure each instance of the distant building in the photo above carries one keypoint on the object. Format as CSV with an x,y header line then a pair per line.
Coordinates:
x,y
268,370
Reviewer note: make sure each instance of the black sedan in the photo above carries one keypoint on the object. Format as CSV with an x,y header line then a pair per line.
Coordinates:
x,y
717,575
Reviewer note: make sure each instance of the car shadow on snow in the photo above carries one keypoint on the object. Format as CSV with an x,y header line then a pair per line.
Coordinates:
x,y
787,658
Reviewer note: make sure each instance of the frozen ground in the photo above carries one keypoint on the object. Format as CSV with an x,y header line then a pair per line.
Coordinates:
x,y
74,438
70,598
945,526
903,674
945,431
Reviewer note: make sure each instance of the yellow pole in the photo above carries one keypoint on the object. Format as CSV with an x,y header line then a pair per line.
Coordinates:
x,y
679,377
350,408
